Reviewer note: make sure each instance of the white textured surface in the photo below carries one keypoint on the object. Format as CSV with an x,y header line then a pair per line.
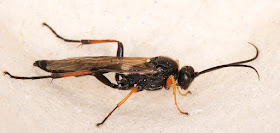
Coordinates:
x,y
197,33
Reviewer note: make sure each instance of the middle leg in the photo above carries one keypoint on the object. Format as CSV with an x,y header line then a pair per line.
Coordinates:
x,y
105,80
133,90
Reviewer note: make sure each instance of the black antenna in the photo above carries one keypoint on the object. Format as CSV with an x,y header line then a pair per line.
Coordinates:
x,y
234,64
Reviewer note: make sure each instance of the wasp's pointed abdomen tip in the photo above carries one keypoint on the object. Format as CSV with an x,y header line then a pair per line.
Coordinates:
x,y
36,63
41,63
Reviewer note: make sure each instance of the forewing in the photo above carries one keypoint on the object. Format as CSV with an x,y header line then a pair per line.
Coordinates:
x,y
102,64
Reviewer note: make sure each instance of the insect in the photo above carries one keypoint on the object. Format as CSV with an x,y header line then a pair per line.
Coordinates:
x,y
134,73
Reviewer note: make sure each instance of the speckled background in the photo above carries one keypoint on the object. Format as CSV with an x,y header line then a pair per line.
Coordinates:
x,y
197,33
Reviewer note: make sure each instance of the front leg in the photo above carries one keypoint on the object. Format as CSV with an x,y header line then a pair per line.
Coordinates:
x,y
170,81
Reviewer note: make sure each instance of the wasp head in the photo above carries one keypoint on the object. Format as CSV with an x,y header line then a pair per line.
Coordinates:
x,y
186,76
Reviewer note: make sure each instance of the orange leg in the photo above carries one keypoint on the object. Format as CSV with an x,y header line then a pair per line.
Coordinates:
x,y
189,92
120,45
170,81
168,84
133,89
63,75
183,94
84,42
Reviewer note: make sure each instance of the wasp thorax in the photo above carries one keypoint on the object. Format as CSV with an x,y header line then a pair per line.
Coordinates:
x,y
186,76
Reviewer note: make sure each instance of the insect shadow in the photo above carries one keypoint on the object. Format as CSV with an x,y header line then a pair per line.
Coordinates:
x,y
134,73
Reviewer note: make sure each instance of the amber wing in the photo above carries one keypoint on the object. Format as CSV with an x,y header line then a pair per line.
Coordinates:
x,y
101,64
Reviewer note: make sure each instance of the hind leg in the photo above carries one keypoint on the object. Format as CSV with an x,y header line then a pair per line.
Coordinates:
x,y
120,49
87,41
53,75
